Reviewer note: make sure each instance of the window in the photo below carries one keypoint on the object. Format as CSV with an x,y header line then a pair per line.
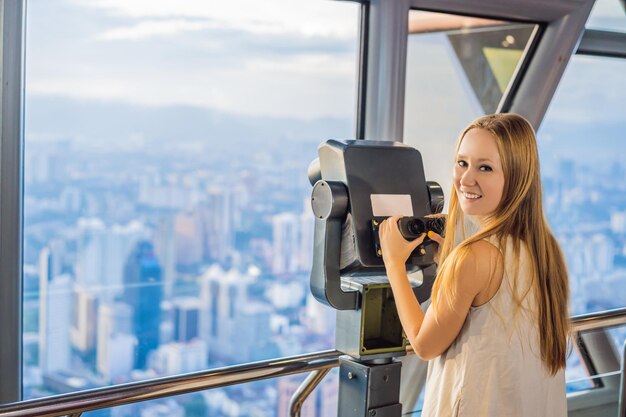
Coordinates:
x,y
458,68
608,15
167,226
582,148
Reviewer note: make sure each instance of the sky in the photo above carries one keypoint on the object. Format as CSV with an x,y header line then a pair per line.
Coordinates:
x,y
276,58
291,58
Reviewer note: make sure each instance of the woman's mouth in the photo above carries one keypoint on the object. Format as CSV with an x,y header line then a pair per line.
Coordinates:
x,y
471,196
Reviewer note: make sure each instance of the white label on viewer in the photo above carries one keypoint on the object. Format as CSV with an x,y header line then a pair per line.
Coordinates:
x,y
384,205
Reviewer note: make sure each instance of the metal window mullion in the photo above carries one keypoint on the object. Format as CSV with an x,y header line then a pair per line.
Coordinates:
x,y
602,43
513,10
362,70
543,73
11,146
386,69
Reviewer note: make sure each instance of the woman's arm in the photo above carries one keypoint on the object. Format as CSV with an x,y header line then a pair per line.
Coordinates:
x,y
430,336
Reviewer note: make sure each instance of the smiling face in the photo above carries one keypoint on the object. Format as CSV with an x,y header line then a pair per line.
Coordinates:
x,y
478,175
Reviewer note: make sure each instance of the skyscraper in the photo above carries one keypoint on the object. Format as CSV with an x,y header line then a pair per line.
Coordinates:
x,y
219,217
176,358
165,248
102,252
116,344
188,240
84,319
186,319
286,243
307,229
143,290
54,320
228,313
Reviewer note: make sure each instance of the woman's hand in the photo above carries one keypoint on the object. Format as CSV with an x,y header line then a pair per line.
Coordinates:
x,y
437,238
395,248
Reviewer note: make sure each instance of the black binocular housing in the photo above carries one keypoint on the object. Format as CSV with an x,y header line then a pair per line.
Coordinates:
x,y
413,227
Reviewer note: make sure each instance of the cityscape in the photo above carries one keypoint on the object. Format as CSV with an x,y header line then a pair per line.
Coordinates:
x,y
159,262
167,223
146,261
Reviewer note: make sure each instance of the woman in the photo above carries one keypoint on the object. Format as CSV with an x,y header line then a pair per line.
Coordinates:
x,y
496,331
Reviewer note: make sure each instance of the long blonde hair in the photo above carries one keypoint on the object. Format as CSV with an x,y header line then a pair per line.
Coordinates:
x,y
519,216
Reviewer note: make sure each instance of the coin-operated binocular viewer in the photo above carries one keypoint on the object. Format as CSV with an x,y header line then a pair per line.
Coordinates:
x,y
356,185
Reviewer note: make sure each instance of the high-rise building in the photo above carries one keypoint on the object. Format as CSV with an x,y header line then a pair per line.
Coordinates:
x,y
207,232
54,313
143,289
188,240
218,215
91,256
319,318
228,313
71,199
167,408
602,252
165,249
178,358
329,396
84,319
55,317
115,343
157,193
101,254
292,241
46,262
618,222
286,243
51,260
186,319
46,164
307,229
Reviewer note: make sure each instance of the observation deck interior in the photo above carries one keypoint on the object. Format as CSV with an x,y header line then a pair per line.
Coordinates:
x,y
154,204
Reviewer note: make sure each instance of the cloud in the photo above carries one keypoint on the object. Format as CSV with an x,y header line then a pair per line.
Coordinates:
x,y
310,18
232,57
153,28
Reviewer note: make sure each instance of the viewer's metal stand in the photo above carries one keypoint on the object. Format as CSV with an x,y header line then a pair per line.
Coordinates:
x,y
348,272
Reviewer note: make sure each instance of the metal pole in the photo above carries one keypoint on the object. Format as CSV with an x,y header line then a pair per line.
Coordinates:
x,y
74,404
304,390
622,385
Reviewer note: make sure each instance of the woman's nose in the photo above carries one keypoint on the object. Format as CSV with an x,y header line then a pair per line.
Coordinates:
x,y
468,178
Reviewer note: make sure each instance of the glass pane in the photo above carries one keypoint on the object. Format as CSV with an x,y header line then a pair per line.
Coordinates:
x,y
167,221
583,160
608,15
256,399
576,373
484,52
457,69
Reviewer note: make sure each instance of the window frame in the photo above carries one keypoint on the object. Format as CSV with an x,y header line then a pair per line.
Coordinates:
x,y
13,24
11,186
380,111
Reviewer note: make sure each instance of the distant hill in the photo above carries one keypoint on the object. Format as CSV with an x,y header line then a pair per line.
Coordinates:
x,y
99,121
92,122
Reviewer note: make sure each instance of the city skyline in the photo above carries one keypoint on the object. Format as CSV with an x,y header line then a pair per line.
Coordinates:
x,y
167,225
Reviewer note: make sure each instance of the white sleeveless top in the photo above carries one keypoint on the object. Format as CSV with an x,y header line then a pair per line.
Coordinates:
x,y
493,368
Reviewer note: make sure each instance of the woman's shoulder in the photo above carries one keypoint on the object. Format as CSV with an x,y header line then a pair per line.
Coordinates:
x,y
482,262
484,249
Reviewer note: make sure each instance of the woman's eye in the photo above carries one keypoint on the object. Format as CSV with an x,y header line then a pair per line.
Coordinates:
x,y
462,163
486,168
